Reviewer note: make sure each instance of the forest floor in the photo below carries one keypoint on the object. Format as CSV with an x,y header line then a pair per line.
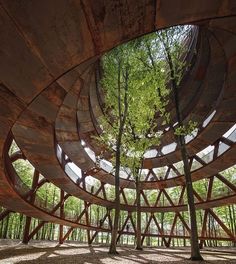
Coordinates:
x,y
41,252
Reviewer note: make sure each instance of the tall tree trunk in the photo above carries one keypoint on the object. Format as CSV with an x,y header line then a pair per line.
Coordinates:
x,y
234,224
112,249
138,216
195,250
122,120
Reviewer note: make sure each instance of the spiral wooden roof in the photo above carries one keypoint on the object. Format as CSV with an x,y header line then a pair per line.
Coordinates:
x,y
50,96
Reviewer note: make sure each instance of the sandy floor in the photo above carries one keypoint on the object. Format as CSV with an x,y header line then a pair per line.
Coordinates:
x,y
50,252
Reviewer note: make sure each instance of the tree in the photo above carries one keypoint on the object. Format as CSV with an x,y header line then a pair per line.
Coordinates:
x,y
173,49
116,84
163,53
131,101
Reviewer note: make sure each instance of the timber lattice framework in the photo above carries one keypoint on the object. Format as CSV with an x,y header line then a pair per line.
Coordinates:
x,y
51,99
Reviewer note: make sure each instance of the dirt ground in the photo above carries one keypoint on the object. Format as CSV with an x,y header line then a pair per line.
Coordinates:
x,y
49,252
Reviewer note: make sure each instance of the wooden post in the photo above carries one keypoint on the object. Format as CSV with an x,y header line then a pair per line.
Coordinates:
x,y
26,238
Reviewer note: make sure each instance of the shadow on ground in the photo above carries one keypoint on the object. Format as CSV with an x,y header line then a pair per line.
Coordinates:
x,y
68,254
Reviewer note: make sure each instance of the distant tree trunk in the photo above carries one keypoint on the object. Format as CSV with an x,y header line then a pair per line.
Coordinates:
x,y
98,221
53,232
234,224
107,238
148,239
1,229
184,240
19,226
6,227
38,234
209,231
11,226
232,219
138,216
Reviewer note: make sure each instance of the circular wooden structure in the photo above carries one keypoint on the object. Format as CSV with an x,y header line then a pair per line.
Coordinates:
x,y
50,101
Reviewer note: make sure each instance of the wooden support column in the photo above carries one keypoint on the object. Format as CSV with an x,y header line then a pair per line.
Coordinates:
x,y
62,200
35,231
209,192
203,233
4,213
31,199
86,205
62,196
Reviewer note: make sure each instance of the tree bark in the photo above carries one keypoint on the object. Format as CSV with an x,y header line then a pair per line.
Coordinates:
x,y
112,249
138,216
6,227
122,120
195,250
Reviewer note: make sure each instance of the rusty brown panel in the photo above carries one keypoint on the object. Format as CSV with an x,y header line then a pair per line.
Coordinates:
x,y
20,68
216,202
210,134
227,111
227,40
77,154
84,116
34,130
10,109
66,127
86,126
56,31
226,23
83,104
34,133
113,22
72,77
94,102
69,79
105,177
171,12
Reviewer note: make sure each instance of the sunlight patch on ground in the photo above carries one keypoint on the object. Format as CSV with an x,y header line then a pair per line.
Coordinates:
x,y
51,252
